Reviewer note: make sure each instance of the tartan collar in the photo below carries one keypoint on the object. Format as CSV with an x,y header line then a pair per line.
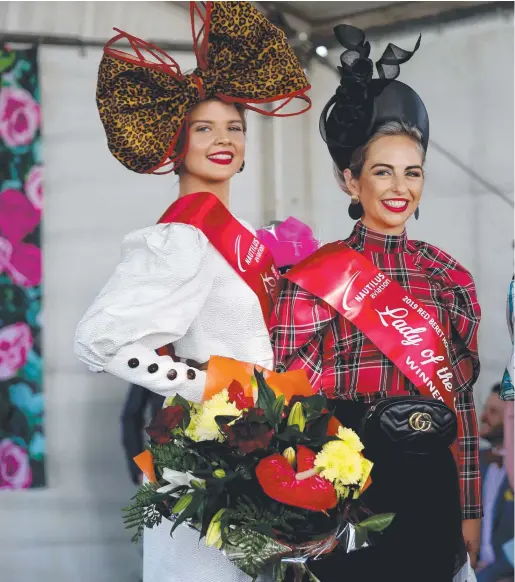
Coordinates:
x,y
370,240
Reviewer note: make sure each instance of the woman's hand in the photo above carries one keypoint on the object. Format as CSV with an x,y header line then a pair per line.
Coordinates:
x,y
471,529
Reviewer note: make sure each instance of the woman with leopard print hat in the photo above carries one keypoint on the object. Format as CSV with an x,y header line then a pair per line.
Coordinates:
x,y
199,279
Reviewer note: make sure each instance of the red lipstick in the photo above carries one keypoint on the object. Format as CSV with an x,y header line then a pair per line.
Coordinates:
x,y
397,207
224,160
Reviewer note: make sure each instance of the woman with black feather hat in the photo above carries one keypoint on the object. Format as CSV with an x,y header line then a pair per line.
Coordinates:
x,y
387,327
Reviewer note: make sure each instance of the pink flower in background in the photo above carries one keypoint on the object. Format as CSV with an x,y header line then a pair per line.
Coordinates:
x,y
289,241
19,116
34,187
15,345
18,218
15,472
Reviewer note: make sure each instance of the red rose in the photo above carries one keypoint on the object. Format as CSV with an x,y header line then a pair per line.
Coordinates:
x,y
237,396
248,436
164,422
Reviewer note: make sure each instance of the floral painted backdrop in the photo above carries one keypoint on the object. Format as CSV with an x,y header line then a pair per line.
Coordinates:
x,y
22,443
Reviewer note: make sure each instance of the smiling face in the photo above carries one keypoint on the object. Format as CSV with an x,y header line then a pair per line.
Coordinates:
x,y
390,184
216,142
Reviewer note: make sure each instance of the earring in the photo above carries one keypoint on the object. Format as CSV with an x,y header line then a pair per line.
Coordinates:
x,y
355,208
242,167
417,213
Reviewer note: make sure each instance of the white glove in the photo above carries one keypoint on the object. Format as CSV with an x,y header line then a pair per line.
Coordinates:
x,y
140,365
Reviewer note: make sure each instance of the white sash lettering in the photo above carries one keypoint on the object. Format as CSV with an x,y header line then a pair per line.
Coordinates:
x,y
411,335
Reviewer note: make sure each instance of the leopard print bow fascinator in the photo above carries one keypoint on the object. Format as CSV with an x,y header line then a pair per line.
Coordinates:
x,y
144,99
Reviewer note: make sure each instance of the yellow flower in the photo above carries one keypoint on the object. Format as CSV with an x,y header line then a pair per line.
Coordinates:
x,y
367,469
203,426
348,436
337,461
214,531
297,417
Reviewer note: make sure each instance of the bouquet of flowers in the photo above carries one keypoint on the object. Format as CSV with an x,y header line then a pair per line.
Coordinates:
x,y
261,469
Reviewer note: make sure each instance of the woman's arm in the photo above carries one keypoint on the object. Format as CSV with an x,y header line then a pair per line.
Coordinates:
x,y
298,322
465,316
463,307
151,300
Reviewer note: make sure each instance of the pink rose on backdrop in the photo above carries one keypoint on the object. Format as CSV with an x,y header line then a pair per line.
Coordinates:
x,y
18,218
15,472
15,345
34,187
19,116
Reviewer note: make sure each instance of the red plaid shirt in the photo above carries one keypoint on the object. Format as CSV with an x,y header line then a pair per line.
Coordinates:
x,y
343,363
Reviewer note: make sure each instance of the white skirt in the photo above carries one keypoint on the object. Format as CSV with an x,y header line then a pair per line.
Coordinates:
x,y
184,558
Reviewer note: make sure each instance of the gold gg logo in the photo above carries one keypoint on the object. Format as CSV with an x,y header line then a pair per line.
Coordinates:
x,y
420,421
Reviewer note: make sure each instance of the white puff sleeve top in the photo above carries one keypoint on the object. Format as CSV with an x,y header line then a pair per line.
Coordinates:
x,y
171,286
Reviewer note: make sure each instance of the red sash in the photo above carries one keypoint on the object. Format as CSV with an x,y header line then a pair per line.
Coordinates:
x,y
238,246
393,320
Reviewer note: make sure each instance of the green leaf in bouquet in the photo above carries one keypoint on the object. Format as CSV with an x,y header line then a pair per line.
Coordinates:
x,y
160,497
257,550
266,396
170,455
186,419
267,520
314,405
318,443
378,522
263,528
191,510
244,472
277,410
212,505
279,571
318,428
178,399
291,434
142,512
183,403
361,536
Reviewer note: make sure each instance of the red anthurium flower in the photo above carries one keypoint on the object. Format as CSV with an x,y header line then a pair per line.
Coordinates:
x,y
305,459
166,420
279,481
237,396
